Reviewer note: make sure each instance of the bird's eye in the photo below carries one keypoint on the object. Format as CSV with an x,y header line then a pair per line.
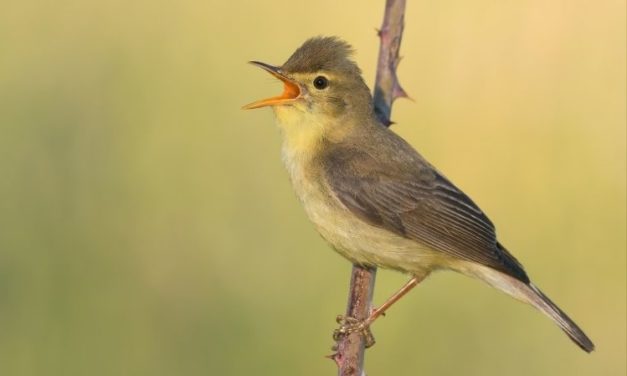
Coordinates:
x,y
321,82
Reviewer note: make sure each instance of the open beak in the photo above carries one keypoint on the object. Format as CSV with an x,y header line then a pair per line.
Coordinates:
x,y
291,90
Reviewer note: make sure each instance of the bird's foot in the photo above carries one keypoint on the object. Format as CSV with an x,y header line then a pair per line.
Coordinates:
x,y
349,325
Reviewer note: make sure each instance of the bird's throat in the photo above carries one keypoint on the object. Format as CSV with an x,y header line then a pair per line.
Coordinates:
x,y
301,132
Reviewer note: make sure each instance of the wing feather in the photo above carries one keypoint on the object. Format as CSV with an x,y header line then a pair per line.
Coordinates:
x,y
418,203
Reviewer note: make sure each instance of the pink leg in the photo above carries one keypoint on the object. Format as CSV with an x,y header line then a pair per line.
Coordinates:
x,y
393,299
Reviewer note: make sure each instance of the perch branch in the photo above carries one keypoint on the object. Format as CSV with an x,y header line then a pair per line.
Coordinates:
x,y
350,349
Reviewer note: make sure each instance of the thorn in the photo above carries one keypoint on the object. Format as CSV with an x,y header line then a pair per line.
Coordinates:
x,y
378,31
336,357
398,91
382,32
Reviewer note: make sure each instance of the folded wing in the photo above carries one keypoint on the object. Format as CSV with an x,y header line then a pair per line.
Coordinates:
x,y
415,201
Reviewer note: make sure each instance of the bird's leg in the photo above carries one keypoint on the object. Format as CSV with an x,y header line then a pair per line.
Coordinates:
x,y
393,299
350,325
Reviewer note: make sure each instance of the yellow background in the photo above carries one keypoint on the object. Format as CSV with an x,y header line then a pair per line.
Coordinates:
x,y
147,226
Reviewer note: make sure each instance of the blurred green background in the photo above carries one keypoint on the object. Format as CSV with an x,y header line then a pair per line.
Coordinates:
x,y
147,226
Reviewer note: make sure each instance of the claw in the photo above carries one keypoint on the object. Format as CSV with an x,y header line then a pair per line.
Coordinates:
x,y
349,325
368,337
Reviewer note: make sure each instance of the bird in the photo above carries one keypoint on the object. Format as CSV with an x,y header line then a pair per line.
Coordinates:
x,y
372,196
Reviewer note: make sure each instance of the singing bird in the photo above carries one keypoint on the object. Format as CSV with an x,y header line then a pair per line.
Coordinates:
x,y
371,196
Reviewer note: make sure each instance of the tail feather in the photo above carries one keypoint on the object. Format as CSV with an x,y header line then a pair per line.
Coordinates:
x,y
544,304
529,293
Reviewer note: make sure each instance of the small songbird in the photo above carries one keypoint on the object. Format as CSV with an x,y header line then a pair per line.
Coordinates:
x,y
371,196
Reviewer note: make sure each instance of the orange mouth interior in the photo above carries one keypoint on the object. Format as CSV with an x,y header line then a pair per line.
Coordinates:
x,y
291,91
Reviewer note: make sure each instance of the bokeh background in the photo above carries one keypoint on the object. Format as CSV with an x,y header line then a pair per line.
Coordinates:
x,y
147,226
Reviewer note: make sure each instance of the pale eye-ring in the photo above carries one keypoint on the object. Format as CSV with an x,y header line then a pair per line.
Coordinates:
x,y
320,82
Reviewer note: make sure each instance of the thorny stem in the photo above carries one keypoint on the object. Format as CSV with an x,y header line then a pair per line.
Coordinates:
x,y
387,88
350,348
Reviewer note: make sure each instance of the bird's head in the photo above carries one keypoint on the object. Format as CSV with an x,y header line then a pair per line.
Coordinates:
x,y
321,84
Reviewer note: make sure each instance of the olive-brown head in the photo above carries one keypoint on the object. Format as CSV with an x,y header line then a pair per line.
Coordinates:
x,y
319,79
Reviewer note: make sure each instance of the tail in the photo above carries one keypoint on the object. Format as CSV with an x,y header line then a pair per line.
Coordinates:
x,y
529,293
546,306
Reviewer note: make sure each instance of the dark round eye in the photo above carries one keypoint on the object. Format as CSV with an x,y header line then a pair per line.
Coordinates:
x,y
321,82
